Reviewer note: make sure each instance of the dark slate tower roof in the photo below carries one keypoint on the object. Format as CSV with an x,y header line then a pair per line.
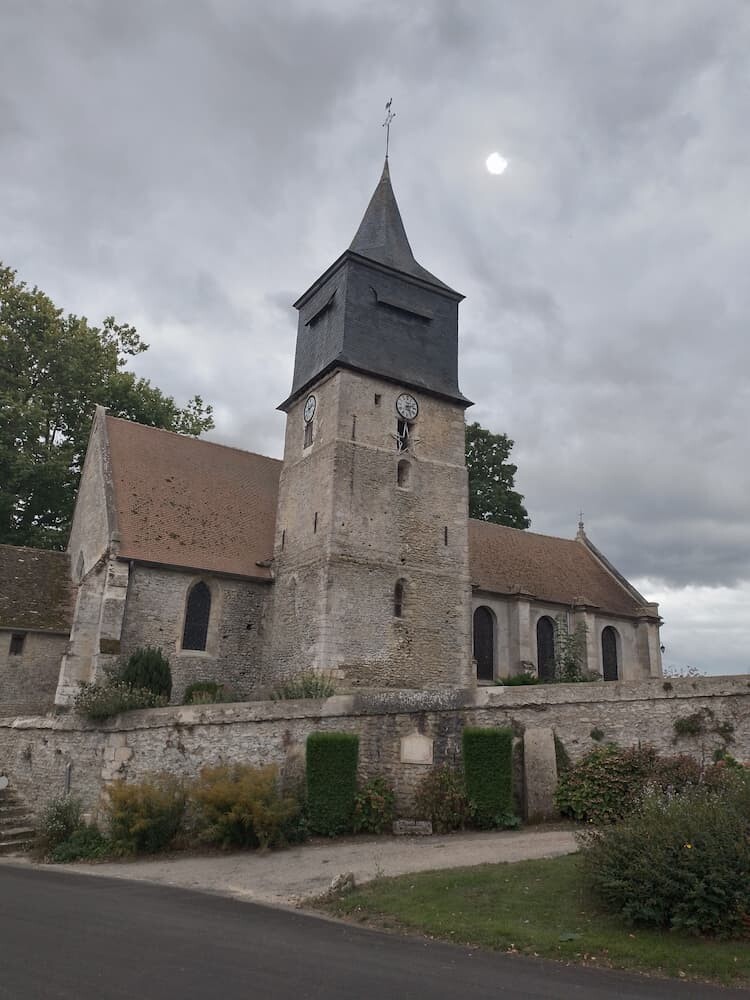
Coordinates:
x,y
376,310
381,235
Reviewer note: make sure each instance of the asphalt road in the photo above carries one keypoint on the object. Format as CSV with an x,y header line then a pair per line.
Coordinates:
x,y
67,936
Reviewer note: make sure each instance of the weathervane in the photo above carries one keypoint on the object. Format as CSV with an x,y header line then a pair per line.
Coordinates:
x,y
389,116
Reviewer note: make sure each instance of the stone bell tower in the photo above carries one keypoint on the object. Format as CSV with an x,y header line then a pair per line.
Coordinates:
x,y
371,550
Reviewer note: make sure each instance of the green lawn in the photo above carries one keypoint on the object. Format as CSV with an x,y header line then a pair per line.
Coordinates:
x,y
537,908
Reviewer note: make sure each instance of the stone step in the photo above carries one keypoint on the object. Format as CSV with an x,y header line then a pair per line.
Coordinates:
x,y
16,840
6,812
22,845
16,831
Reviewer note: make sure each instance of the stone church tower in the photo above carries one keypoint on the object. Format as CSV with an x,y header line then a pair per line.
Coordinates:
x,y
371,561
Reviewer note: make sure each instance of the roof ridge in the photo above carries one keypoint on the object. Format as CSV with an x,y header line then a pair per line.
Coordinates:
x,y
33,548
192,437
521,531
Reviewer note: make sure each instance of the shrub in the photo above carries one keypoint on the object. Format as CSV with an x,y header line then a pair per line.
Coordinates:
x,y
149,669
59,820
605,784
311,684
675,773
86,843
145,817
679,862
203,693
63,836
441,798
518,680
374,806
242,806
101,701
331,781
488,773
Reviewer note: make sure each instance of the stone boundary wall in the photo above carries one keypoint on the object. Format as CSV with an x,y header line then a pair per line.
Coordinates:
x,y
35,752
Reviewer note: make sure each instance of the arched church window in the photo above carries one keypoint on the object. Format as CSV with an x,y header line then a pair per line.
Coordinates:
x,y
545,648
609,654
484,643
399,592
197,614
403,474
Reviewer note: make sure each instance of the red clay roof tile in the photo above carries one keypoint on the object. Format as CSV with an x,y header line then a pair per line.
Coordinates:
x,y
561,571
185,502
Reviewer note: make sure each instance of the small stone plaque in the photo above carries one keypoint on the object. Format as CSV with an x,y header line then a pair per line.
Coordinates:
x,y
3,782
416,749
412,828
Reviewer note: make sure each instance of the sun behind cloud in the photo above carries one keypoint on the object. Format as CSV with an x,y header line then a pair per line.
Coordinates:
x,y
496,164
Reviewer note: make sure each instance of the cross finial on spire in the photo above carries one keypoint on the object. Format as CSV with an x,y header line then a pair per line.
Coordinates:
x,y
389,116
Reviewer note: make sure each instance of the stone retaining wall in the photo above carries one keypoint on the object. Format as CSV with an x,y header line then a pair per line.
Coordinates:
x,y
34,752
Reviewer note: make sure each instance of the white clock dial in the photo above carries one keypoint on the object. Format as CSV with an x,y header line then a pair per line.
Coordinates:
x,y
407,406
309,412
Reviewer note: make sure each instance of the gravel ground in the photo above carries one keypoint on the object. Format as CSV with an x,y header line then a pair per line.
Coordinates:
x,y
288,877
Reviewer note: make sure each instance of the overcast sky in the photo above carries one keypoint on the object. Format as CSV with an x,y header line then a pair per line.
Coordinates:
x,y
191,167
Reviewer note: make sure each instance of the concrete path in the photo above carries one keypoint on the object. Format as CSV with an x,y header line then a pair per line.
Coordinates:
x,y
288,877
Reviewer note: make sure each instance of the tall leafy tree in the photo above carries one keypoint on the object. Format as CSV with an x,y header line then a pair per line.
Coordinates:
x,y
492,478
54,369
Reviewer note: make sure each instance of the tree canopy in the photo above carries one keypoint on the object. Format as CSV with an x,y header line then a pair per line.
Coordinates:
x,y
54,370
492,478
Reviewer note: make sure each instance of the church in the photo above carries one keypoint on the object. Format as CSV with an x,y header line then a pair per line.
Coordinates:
x,y
353,555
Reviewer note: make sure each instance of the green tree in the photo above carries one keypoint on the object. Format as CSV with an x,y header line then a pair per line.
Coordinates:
x,y
492,478
54,369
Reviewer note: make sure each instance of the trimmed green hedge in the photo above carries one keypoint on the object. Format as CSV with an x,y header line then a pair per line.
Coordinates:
x,y
331,782
488,774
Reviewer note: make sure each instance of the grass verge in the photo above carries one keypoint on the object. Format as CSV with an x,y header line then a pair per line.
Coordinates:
x,y
536,908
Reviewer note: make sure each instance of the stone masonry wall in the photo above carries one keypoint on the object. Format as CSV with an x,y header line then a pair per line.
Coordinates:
x,y
34,752
155,616
28,680
346,532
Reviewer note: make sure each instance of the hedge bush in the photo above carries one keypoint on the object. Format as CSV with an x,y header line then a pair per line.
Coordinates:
x,y
374,806
61,817
86,843
148,669
607,784
679,861
63,835
237,805
145,817
441,798
331,782
488,773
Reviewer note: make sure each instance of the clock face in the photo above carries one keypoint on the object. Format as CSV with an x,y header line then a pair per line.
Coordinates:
x,y
407,406
310,404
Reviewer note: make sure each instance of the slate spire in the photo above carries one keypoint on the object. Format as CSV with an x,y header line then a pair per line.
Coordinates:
x,y
381,235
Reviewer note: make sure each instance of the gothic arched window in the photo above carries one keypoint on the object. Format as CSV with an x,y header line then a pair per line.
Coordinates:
x,y
484,643
545,648
197,613
609,654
